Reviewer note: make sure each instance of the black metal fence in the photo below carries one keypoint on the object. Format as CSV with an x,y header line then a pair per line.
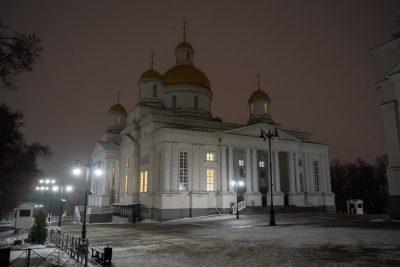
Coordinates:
x,y
76,247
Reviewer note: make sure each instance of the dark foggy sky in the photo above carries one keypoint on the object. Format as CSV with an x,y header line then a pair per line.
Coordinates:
x,y
313,58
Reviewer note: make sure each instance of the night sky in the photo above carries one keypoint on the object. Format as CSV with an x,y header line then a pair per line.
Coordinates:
x,y
313,58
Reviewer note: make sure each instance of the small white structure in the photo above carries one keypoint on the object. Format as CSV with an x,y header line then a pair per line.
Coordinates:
x,y
355,206
23,216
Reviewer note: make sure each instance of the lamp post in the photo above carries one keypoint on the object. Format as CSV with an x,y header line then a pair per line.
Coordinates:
x,y
269,135
63,188
77,171
45,187
236,183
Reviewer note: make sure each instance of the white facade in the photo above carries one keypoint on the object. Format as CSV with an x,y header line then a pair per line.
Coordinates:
x,y
175,160
388,89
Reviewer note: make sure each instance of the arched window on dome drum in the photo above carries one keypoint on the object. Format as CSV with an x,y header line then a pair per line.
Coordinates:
x,y
196,102
119,122
265,108
174,102
252,109
187,56
155,93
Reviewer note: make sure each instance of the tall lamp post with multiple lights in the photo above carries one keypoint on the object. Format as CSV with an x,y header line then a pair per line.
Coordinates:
x,y
63,188
46,185
236,184
89,168
264,136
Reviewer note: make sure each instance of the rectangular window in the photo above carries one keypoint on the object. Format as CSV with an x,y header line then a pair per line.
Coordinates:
x,y
144,176
242,172
316,176
265,108
113,169
261,164
301,182
196,102
300,163
210,156
126,164
210,179
126,183
155,90
183,171
24,213
241,162
174,102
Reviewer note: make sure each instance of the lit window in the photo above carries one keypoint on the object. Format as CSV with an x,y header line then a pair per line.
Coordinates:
x,y
316,176
183,171
241,162
174,102
251,109
155,90
126,183
113,169
261,164
144,175
210,179
196,102
210,156
265,108
126,163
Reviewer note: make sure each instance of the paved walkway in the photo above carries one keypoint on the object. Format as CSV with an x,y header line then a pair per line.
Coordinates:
x,y
297,240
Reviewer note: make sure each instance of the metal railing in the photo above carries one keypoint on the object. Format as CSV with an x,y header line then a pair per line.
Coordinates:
x,y
76,247
241,204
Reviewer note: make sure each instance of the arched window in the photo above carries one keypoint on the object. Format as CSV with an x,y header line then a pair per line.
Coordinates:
x,y
187,56
155,93
252,109
119,122
196,102
265,108
174,102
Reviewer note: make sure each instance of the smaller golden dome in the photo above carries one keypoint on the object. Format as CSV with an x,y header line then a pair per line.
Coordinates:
x,y
151,74
117,108
184,44
259,94
186,74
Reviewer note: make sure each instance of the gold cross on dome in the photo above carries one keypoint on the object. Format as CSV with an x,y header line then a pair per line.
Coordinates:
x,y
184,22
152,59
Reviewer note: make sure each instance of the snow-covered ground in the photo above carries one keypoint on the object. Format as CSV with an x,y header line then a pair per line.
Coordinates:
x,y
297,240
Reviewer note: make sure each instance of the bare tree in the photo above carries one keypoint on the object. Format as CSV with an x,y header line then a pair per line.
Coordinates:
x,y
18,53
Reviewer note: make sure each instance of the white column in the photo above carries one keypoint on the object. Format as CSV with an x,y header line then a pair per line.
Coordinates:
x,y
195,168
297,171
230,168
311,185
249,186
277,176
224,175
166,161
328,175
322,176
292,182
255,171
202,180
174,178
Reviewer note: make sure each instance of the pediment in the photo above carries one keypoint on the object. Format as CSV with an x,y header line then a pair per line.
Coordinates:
x,y
254,130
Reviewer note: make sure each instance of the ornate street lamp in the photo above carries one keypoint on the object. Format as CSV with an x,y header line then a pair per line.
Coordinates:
x,y
236,184
89,168
269,135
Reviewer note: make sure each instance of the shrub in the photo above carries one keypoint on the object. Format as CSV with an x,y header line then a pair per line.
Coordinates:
x,y
38,231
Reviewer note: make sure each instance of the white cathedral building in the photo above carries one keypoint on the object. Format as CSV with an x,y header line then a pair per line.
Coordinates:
x,y
170,158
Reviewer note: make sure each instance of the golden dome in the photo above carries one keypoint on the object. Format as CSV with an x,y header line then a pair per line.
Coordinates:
x,y
259,94
151,74
186,74
184,44
117,108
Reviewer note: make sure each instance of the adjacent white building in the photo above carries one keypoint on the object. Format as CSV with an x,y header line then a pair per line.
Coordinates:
x,y
170,158
388,89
